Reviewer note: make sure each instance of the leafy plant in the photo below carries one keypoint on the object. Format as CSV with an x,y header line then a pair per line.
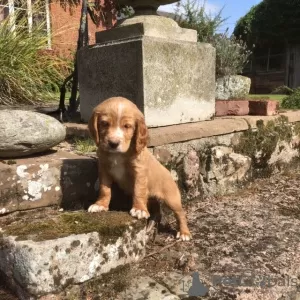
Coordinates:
x,y
292,101
275,21
231,53
282,90
28,73
195,17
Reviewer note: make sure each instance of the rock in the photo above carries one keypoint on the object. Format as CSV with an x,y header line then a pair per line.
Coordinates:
x,y
224,170
147,289
46,252
177,283
59,178
24,133
232,87
191,174
283,154
162,155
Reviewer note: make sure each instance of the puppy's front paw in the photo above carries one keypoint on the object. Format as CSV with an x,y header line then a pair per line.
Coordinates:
x,y
140,214
94,208
184,236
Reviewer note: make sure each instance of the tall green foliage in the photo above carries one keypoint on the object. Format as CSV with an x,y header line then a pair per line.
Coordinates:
x,y
194,16
275,21
28,73
231,53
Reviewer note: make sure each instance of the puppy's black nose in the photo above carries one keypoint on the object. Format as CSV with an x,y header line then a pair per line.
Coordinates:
x,y
113,144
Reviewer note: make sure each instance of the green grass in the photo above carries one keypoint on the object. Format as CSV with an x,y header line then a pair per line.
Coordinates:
x,y
267,97
84,145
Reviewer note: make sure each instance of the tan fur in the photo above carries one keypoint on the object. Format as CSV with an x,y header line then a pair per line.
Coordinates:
x,y
131,165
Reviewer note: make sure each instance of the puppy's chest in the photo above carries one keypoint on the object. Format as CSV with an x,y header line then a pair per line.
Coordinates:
x,y
118,170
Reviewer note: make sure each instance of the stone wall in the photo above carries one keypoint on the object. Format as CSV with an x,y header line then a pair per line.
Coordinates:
x,y
222,164
207,158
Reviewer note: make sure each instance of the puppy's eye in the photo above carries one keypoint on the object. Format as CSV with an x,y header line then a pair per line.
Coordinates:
x,y
104,124
127,126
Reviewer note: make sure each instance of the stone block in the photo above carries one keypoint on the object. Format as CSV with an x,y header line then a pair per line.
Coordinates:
x,y
60,178
171,81
232,87
232,108
263,107
162,155
151,26
45,252
238,108
221,108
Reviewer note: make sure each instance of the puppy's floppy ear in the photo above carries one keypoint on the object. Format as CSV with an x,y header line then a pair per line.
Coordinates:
x,y
93,127
141,138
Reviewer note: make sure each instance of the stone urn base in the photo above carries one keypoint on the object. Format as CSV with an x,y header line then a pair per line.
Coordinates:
x,y
156,64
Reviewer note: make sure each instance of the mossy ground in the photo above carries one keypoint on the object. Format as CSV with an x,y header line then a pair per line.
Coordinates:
x,y
39,226
84,145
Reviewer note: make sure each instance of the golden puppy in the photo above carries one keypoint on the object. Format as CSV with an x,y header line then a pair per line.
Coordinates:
x,y
119,130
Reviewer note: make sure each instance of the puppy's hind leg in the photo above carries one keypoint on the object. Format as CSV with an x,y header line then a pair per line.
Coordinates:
x,y
155,213
172,199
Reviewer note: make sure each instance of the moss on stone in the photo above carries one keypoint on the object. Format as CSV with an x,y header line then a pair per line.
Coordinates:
x,y
259,144
110,224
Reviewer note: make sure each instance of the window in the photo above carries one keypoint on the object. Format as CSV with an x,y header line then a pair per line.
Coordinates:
x,y
25,9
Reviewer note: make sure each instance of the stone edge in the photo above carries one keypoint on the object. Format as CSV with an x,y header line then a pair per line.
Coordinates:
x,y
190,131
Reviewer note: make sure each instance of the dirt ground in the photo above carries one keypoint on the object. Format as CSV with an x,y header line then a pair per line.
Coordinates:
x,y
250,235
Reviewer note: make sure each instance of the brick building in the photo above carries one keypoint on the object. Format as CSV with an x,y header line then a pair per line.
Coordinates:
x,y
61,21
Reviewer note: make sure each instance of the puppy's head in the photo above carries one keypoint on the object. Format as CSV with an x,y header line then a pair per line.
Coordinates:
x,y
117,126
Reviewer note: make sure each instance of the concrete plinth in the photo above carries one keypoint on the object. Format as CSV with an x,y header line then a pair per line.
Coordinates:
x,y
165,72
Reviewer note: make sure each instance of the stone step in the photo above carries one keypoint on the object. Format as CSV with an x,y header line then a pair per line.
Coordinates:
x,y
59,178
45,251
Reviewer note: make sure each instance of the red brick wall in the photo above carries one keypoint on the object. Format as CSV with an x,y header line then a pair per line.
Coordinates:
x,y
65,25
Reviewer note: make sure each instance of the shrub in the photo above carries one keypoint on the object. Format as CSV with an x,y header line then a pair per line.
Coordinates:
x,y
292,101
28,73
282,90
231,53
195,17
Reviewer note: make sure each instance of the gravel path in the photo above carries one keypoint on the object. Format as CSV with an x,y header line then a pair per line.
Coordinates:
x,y
252,237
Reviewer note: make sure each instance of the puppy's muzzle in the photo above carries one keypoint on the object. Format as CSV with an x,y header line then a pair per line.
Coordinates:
x,y
113,145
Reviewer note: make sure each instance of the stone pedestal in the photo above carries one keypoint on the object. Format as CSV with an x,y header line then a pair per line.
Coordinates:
x,y
156,64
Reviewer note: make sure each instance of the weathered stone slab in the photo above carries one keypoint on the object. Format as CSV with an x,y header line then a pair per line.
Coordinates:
x,y
60,178
47,251
193,131
171,82
186,132
23,133
147,25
